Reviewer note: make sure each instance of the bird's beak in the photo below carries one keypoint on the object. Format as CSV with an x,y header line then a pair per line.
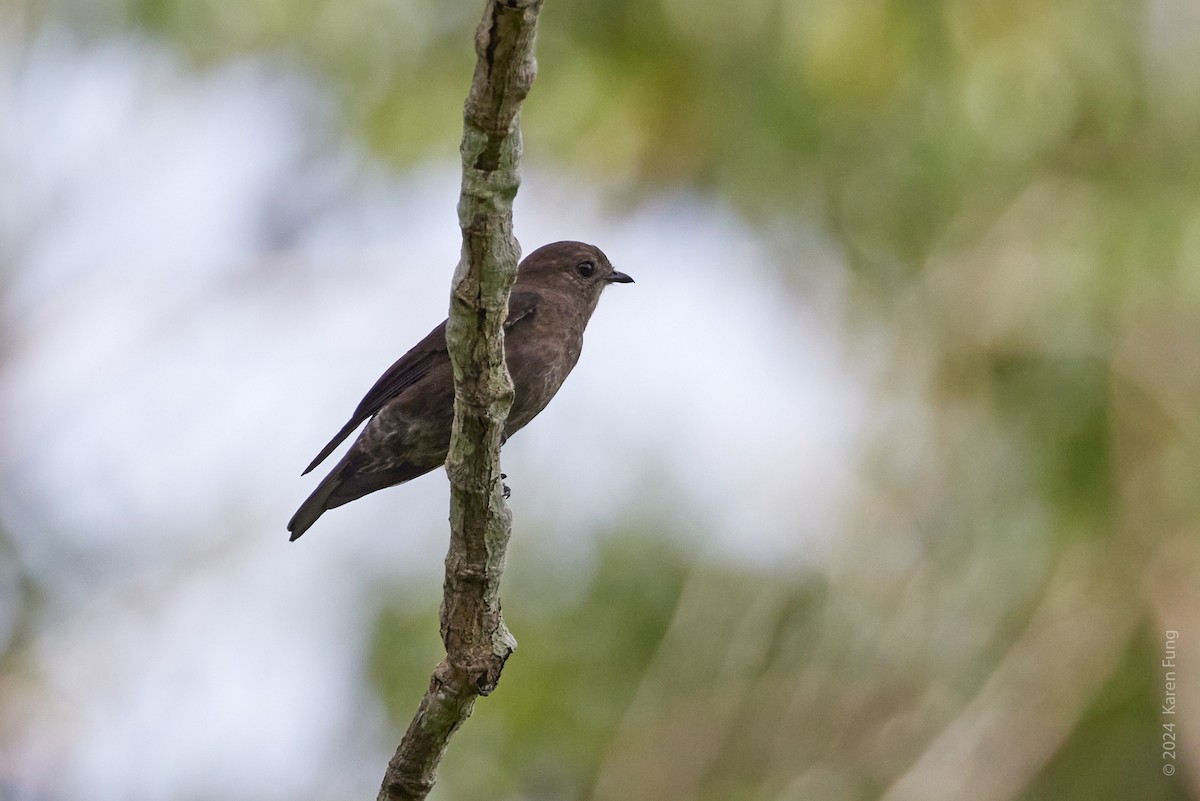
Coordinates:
x,y
617,277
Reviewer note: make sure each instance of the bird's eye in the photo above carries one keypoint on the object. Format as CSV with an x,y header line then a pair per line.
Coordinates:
x,y
585,268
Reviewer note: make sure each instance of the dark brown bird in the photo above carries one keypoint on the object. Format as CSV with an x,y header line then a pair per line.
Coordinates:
x,y
411,406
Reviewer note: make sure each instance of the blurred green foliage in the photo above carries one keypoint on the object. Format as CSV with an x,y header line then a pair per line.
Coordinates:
x,y
1110,755
586,641
1015,193
1069,441
589,645
887,117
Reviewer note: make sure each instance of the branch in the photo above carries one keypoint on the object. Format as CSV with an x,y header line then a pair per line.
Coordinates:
x,y
473,631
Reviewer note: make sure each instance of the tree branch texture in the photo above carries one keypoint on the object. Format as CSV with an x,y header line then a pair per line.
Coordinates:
x,y
473,631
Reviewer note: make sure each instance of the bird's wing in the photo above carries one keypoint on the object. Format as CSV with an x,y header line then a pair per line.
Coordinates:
x,y
522,305
412,367
407,370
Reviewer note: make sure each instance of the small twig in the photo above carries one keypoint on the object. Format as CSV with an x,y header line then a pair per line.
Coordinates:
x,y
476,639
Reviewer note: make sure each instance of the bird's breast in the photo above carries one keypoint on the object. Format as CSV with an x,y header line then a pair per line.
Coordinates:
x,y
540,356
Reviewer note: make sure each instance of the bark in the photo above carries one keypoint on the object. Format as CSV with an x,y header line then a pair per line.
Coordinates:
x,y
476,639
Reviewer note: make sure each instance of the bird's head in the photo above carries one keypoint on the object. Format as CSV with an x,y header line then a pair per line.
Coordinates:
x,y
572,268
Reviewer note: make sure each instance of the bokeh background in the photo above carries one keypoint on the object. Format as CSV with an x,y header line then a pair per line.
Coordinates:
x,y
881,483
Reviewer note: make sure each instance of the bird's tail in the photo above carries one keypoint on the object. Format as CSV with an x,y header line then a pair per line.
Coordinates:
x,y
345,483
315,505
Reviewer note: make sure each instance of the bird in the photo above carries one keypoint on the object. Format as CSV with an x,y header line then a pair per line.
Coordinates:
x,y
410,409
